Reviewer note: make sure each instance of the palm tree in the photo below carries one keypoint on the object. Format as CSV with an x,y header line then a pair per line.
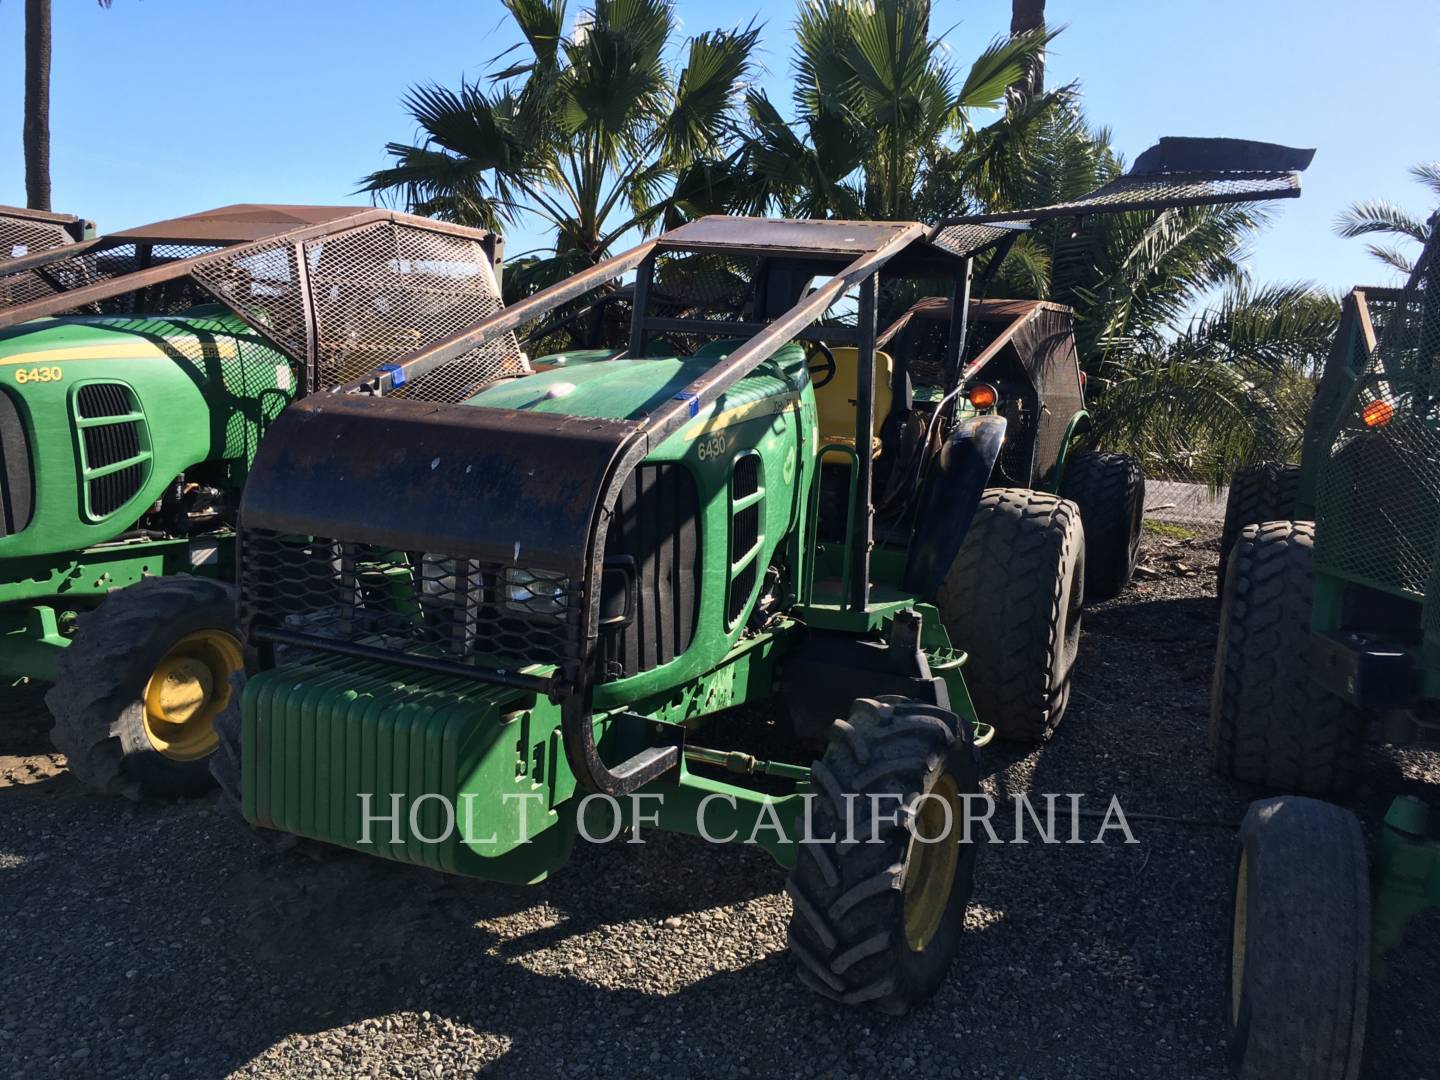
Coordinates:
x,y
35,133
1377,216
1028,17
879,108
594,131
1233,387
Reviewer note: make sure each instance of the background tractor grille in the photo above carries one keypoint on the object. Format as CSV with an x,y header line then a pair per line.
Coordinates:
x,y
1378,498
17,485
411,603
114,459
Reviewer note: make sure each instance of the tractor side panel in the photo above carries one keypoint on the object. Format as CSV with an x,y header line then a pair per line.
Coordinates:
x,y
108,415
430,770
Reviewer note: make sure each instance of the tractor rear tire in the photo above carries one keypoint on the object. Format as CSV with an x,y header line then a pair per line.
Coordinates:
x,y
137,689
878,912
1110,491
1271,723
1264,492
1299,973
1013,601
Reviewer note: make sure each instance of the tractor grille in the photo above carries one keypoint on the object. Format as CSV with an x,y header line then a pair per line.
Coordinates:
x,y
1378,498
17,486
419,604
657,523
114,461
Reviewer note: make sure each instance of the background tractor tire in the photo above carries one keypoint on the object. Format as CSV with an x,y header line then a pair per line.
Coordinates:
x,y
878,923
1012,601
137,689
1271,723
1264,492
1299,976
1109,489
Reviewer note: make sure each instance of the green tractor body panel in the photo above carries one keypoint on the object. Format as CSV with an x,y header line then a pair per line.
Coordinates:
x,y
108,411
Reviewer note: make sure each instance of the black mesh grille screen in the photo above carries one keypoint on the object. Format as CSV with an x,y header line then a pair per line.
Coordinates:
x,y
657,523
416,603
102,399
111,443
113,490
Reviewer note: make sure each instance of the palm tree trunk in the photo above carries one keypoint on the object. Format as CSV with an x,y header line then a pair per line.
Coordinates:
x,y
36,132
1026,16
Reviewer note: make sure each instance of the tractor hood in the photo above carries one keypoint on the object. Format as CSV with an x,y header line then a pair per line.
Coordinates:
x,y
504,486
631,389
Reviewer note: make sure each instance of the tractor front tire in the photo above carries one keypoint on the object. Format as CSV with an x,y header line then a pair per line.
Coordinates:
x,y
878,910
1264,492
1299,978
137,690
1109,489
1271,723
1012,601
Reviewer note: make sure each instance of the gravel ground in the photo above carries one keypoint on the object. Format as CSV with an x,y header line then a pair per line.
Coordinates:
x,y
155,941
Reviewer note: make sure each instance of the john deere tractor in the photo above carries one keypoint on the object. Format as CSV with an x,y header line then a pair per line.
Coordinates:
x,y
1015,348
138,372
1330,631
1285,491
491,606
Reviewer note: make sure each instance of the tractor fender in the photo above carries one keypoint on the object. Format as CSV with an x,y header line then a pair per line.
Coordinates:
x,y
948,501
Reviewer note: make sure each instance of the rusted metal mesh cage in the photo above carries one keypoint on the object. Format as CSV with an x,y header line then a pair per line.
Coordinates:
x,y
374,294
24,235
339,302
106,262
1378,497
421,604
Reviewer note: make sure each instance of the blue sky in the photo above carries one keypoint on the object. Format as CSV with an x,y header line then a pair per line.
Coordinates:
x,y
170,106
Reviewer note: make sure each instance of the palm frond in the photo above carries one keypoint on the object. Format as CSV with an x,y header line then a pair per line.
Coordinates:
x,y
1379,216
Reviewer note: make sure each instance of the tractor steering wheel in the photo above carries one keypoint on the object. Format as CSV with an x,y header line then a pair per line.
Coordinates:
x,y
825,370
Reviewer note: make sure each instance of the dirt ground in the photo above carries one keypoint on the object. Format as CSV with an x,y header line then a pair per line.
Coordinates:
x,y
162,941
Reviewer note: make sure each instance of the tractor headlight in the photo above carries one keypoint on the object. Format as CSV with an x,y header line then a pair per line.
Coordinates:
x,y
537,592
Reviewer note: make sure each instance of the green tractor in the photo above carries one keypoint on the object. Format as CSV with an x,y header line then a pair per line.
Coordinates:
x,y
138,372
1013,347
1330,632
1285,491
488,616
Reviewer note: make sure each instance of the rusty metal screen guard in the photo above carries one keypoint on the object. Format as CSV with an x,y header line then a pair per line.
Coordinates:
x,y
338,301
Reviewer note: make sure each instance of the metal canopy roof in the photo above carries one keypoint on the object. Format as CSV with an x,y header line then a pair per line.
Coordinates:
x,y
782,235
38,215
240,223
1178,172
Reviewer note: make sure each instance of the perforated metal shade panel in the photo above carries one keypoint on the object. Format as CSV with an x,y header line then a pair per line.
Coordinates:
x,y
1161,191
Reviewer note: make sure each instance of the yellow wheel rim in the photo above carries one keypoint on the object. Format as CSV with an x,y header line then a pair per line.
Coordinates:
x,y
187,690
930,867
1237,942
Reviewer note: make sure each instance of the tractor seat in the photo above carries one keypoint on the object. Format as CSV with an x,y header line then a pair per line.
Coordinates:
x,y
835,396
